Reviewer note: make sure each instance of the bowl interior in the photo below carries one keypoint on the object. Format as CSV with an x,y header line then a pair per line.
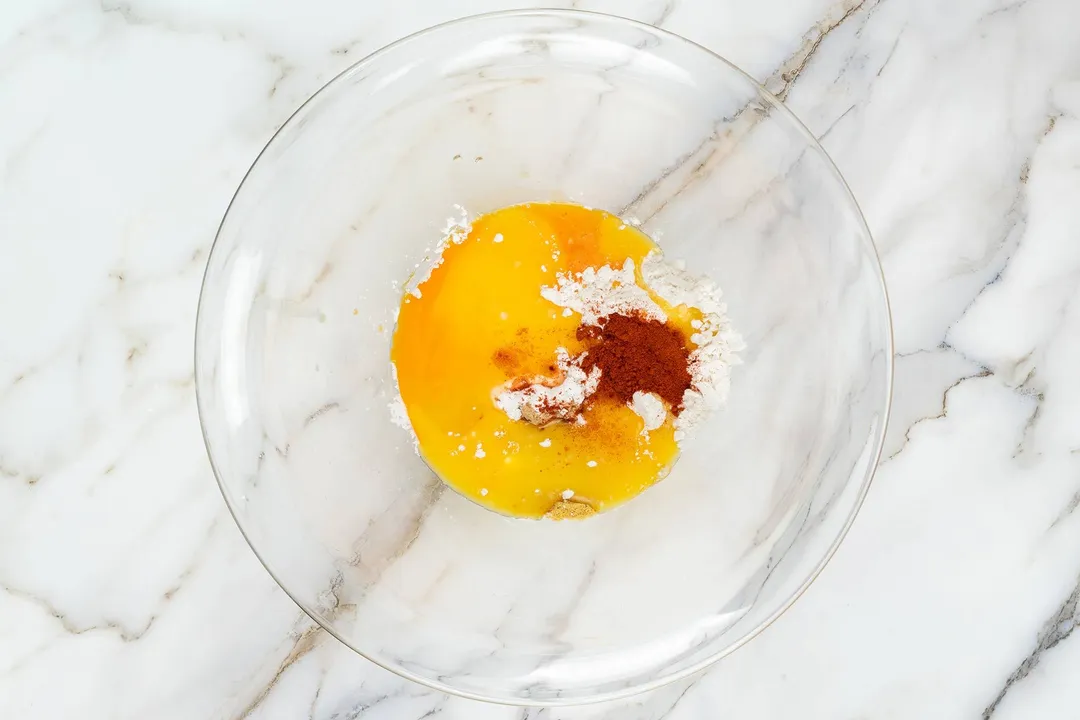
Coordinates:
x,y
298,308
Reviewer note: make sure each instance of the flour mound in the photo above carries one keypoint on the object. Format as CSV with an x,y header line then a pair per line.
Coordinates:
x,y
595,293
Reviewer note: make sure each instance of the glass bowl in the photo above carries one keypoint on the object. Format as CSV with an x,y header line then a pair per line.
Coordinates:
x,y
294,380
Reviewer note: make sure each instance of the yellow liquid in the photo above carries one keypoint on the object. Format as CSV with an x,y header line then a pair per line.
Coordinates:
x,y
480,321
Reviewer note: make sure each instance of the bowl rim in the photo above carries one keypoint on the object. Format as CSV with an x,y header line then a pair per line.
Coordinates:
x,y
878,441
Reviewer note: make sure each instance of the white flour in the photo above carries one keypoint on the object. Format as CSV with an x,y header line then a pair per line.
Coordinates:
x,y
455,231
597,292
649,408
399,415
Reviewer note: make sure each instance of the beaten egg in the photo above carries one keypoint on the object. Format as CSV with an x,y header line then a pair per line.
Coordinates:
x,y
479,322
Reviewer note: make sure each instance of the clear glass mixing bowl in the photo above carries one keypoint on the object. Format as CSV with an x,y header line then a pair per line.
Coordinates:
x,y
294,379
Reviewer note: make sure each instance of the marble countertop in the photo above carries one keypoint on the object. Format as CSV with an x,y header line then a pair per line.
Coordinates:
x,y
126,590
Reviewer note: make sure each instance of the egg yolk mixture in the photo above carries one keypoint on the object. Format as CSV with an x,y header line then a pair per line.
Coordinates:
x,y
478,326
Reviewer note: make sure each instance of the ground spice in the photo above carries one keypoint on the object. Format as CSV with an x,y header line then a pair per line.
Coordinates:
x,y
570,510
638,354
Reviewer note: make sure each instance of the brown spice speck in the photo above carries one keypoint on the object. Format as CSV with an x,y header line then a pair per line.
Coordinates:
x,y
508,360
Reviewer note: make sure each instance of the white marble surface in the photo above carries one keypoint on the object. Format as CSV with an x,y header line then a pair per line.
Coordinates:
x,y
126,590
